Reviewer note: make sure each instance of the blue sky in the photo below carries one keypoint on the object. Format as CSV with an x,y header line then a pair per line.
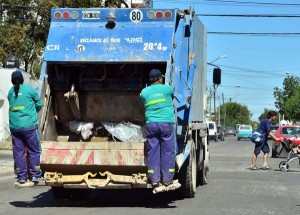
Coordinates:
x,y
256,64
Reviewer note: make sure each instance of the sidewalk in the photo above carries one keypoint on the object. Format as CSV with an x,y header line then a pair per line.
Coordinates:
x,y
5,145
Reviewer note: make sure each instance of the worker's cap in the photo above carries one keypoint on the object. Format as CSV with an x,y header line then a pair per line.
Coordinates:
x,y
16,75
155,73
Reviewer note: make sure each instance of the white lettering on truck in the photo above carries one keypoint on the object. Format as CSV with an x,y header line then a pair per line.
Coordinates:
x,y
52,47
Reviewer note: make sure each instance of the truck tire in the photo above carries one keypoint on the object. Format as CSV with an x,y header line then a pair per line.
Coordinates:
x,y
187,175
202,174
216,138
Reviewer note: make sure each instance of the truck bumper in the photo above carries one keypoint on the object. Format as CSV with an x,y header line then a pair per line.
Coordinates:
x,y
104,180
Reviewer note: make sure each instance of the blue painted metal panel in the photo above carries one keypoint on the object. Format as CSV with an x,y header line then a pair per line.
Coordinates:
x,y
86,38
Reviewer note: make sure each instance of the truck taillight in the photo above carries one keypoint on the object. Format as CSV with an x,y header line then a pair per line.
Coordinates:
x,y
66,15
159,14
74,15
57,15
168,14
151,15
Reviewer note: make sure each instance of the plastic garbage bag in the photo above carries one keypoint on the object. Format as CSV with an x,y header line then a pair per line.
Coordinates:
x,y
86,130
83,128
125,131
75,126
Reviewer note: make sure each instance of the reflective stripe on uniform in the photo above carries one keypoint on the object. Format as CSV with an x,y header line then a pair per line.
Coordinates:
x,y
171,170
155,101
17,108
150,171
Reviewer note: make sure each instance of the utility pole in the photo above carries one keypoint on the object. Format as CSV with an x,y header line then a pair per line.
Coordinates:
x,y
215,111
219,114
224,110
210,95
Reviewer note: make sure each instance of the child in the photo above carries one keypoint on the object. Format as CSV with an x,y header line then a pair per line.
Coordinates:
x,y
296,149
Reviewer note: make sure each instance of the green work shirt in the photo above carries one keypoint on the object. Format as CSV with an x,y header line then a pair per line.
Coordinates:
x,y
23,110
157,101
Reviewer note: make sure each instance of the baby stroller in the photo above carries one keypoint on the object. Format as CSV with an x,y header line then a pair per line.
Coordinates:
x,y
292,156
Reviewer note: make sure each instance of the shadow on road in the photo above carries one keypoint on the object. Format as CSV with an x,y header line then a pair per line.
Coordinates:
x,y
104,198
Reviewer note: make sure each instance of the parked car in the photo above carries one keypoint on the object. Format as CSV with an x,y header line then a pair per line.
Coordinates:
x,y
220,133
274,129
286,132
212,131
244,132
230,131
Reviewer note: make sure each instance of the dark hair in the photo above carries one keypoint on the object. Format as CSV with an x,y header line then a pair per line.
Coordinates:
x,y
16,83
271,113
152,80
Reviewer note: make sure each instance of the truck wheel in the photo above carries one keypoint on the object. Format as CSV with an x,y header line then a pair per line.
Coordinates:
x,y
60,192
216,138
201,173
188,175
202,176
200,156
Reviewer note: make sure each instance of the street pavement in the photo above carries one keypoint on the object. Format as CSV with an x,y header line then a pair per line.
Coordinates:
x,y
232,189
6,162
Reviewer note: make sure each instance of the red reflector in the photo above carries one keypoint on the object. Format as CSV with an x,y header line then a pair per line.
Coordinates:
x,y
66,15
159,14
57,15
168,14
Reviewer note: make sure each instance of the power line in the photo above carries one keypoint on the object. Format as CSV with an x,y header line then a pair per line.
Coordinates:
x,y
263,34
234,3
253,15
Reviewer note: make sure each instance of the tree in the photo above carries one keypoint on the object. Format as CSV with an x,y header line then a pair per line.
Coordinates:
x,y
235,113
24,26
287,99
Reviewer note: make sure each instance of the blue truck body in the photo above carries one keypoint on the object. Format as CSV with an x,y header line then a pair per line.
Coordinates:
x,y
96,62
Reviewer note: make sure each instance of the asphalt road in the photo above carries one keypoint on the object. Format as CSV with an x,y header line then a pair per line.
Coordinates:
x,y
232,189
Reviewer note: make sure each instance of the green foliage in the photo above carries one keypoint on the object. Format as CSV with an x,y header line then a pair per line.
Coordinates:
x,y
287,99
235,113
25,24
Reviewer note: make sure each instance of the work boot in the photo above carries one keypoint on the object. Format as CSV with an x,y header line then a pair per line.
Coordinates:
x,y
155,184
23,183
173,185
161,188
35,180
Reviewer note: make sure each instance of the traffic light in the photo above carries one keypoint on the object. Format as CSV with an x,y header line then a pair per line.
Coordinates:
x,y
217,76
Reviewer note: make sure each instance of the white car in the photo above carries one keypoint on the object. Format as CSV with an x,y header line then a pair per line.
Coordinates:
x,y
212,131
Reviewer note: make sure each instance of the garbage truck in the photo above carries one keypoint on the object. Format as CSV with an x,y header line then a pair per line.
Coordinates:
x,y
92,125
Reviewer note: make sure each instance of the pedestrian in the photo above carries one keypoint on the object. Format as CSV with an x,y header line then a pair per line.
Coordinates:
x,y
265,127
160,133
24,105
